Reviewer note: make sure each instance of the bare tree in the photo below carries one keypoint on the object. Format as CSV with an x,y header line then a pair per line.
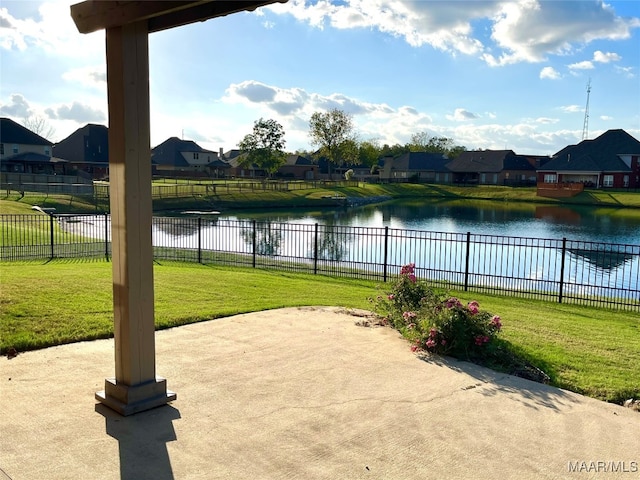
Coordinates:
x,y
39,126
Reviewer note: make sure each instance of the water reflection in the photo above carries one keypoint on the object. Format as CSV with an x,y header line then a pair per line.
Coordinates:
x,y
267,236
333,243
605,257
606,225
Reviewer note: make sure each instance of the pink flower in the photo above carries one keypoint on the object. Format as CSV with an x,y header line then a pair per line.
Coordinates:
x,y
443,342
391,296
430,343
433,332
453,302
408,315
473,307
496,323
411,326
479,340
414,348
408,269
412,278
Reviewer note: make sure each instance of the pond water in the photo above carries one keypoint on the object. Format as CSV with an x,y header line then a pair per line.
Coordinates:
x,y
519,243
490,218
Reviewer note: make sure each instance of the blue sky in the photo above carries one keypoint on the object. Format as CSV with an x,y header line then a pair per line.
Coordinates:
x,y
488,74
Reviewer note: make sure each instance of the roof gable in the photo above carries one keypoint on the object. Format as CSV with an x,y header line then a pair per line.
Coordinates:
x,y
13,132
292,160
170,152
88,144
481,161
421,161
599,154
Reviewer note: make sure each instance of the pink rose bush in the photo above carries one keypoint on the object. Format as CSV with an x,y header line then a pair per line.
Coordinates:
x,y
435,322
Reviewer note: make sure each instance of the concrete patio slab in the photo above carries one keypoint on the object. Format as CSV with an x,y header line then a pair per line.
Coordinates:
x,y
302,393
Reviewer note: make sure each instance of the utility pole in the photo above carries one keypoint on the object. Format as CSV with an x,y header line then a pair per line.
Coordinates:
x,y
585,127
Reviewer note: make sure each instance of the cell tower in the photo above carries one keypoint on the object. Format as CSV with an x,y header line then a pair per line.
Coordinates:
x,y
585,127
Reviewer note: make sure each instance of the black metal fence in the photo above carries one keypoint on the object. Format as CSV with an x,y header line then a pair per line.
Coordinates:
x,y
564,270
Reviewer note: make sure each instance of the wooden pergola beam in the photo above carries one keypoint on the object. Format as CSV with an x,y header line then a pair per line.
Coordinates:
x,y
94,15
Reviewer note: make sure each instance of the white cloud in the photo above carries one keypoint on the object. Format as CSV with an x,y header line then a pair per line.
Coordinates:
x,y
461,115
442,25
94,77
572,109
77,112
626,71
528,138
18,107
549,73
607,57
546,120
606,118
523,31
530,30
586,65
54,32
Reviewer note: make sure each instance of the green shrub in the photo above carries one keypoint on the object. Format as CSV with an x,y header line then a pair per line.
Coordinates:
x,y
435,322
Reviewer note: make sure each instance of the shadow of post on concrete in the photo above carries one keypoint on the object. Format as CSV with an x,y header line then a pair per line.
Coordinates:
x,y
142,441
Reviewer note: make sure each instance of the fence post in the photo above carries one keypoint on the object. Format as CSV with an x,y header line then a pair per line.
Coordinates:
x,y
466,263
255,237
315,251
386,254
106,236
199,239
564,250
51,235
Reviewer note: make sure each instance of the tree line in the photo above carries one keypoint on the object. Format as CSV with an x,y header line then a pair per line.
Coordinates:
x,y
333,133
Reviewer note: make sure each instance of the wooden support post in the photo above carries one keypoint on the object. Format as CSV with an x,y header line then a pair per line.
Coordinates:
x,y
135,387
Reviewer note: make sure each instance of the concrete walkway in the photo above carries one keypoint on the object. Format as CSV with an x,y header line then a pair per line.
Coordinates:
x,y
307,394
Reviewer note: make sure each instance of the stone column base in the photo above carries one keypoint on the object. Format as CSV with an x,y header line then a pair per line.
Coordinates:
x,y
130,399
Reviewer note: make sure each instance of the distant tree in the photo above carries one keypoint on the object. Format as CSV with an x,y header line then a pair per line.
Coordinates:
x,y
369,153
39,125
456,150
333,133
264,147
422,142
394,150
419,142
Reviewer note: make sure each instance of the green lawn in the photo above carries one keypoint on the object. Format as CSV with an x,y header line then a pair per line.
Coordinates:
x,y
589,350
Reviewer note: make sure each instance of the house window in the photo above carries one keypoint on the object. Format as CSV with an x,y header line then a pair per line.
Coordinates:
x,y
195,156
625,181
607,181
1,148
483,178
15,148
550,178
495,178
47,151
